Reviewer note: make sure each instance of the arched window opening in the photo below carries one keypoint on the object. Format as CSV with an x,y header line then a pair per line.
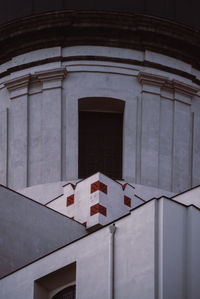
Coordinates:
x,y
67,293
100,137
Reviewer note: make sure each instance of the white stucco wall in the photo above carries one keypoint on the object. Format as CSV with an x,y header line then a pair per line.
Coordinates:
x,y
39,123
156,254
191,197
134,249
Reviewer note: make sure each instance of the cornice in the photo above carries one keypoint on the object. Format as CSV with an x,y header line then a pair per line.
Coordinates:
x,y
70,28
51,79
148,81
18,83
132,62
51,75
18,87
151,79
189,90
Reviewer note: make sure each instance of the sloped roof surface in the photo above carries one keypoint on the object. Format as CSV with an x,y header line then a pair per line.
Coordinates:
x,y
29,230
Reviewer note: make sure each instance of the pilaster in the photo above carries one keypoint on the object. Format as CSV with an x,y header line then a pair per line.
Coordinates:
x,y
52,122
150,130
18,132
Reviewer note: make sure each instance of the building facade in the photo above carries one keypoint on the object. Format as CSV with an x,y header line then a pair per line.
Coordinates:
x,y
99,135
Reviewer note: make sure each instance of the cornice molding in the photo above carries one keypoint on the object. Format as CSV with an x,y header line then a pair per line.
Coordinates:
x,y
183,88
71,28
18,87
132,62
18,83
151,79
51,75
160,82
51,79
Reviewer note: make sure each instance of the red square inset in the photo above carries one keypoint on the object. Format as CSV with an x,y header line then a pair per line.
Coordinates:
x,y
127,201
70,200
98,186
98,209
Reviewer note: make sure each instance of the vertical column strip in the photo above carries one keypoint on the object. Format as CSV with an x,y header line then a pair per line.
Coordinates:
x,y
52,123
18,132
3,146
138,140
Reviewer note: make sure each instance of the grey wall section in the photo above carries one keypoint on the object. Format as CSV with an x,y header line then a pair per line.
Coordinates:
x,y
165,144
185,12
51,141
35,139
156,256
193,242
179,245
130,138
174,250
195,152
161,140
3,146
32,229
18,142
182,151
150,138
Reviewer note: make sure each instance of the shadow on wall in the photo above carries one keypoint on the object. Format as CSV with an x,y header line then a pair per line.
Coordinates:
x,y
48,286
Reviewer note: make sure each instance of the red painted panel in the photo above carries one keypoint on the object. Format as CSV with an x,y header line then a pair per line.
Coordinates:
x,y
127,201
99,186
98,209
70,200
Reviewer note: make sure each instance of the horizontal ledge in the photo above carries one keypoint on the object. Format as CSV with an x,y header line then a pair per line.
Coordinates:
x,y
130,31
132,62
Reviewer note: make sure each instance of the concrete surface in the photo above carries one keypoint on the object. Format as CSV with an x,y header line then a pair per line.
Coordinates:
x,y
156,254
29,230
160,135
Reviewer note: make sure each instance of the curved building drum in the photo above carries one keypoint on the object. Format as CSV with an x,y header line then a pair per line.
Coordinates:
x,y
52,61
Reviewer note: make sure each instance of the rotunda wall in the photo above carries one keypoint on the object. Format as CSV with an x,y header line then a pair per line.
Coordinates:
x,y
39,115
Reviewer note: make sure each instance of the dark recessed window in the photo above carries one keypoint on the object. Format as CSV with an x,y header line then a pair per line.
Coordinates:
x,y
100,138
67,293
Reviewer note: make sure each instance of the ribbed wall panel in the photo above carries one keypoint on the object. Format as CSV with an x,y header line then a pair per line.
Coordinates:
x,y
165,144
181,148
150,139
18,143
51,135
196,151
35,139
3,146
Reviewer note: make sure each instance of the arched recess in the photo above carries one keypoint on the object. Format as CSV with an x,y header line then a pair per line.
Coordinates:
x,y
54,283
66,293
100,136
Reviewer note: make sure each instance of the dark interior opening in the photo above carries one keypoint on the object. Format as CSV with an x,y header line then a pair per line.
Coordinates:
x,y
57,280
67,293
100,143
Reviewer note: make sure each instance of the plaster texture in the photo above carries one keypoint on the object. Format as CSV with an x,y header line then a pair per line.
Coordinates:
x,y
190,197
96,233
152,258
39,123
30,230
45,193
97,200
